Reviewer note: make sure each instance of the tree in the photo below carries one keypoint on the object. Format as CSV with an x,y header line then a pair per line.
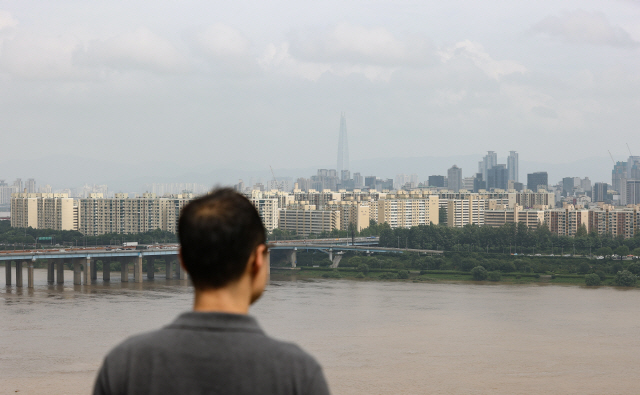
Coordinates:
x,y
581,231
592,279
622,251
479,273
604,251
363,268
403,274
583,268
625,279
634,268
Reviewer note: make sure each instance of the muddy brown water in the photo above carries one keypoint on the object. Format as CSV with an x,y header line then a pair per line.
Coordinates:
x,y
371,337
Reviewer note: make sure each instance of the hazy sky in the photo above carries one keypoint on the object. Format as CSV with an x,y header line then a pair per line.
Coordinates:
x,y
253,83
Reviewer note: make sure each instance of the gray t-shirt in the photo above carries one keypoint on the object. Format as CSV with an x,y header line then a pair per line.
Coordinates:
x,y
209,353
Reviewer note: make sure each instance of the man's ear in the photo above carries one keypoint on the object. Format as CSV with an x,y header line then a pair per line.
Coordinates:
x,y
259,259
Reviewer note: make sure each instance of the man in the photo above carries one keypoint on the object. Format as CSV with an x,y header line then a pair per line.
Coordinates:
x,y
217,348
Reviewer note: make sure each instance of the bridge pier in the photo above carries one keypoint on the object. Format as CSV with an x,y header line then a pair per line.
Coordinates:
x,y
336,261
88,269
137,269
19,274
168,269
51,271
7,272
180,272
106,269
77,272
293,257
124,269
30,275
94,271
60,266
151,268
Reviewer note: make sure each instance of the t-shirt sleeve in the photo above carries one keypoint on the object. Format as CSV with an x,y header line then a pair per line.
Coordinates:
x,y
101,387
317,385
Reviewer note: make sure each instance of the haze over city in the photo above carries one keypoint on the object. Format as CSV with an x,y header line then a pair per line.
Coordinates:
x,y
126,93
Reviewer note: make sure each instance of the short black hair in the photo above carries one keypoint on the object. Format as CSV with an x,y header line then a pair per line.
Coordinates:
x,y
218,232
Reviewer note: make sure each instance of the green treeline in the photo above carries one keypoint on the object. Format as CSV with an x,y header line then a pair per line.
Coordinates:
x,y
11,238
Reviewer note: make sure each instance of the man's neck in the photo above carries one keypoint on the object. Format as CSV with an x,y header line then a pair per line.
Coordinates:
x,y
231,299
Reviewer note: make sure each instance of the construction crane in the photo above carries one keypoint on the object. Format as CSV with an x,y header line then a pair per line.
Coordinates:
x,y
630,154
274,179
614,162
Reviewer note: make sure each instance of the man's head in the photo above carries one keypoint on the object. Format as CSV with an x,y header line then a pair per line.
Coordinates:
x,y
220,235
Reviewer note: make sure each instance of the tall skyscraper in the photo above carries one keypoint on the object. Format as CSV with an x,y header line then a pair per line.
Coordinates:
x,y
497,177
512,166
490,160
343,146
454,175
30,185
599,193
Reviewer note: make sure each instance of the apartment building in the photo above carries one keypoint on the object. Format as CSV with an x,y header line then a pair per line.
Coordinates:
x,y
607,219
403,211
461,212
122,214
351,213
566,221
43,211
308,220
498,217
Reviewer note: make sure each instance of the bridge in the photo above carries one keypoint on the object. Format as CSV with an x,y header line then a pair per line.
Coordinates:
x,y
84,260
366,245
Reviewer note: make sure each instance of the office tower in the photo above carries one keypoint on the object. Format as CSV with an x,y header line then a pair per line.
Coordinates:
x,y
18,184
567,186
454,175
537,180
633,168
478,183
370,182
633,192
497,177
599,193
585,184
343,146
358,180
30,185
618,176
490,160
436,181
345,175
512,165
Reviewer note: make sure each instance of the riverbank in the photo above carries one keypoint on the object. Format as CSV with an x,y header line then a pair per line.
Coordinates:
x,y
430,276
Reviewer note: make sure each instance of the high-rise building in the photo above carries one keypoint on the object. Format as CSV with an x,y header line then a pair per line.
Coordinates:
x,y
497,177
370,182
30,185
436,181
343,146
478,183
599,193
536,180
567,186
358,180
454,175
618,176
512,166
633,192
18,184
490,160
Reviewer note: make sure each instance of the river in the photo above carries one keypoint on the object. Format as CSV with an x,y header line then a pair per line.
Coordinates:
x,y
371,337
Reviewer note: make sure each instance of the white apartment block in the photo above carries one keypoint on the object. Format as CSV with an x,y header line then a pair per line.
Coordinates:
x,y
351,212
43,211
122,214
309,221
623,222
403,211
530,217
461,212
268,210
